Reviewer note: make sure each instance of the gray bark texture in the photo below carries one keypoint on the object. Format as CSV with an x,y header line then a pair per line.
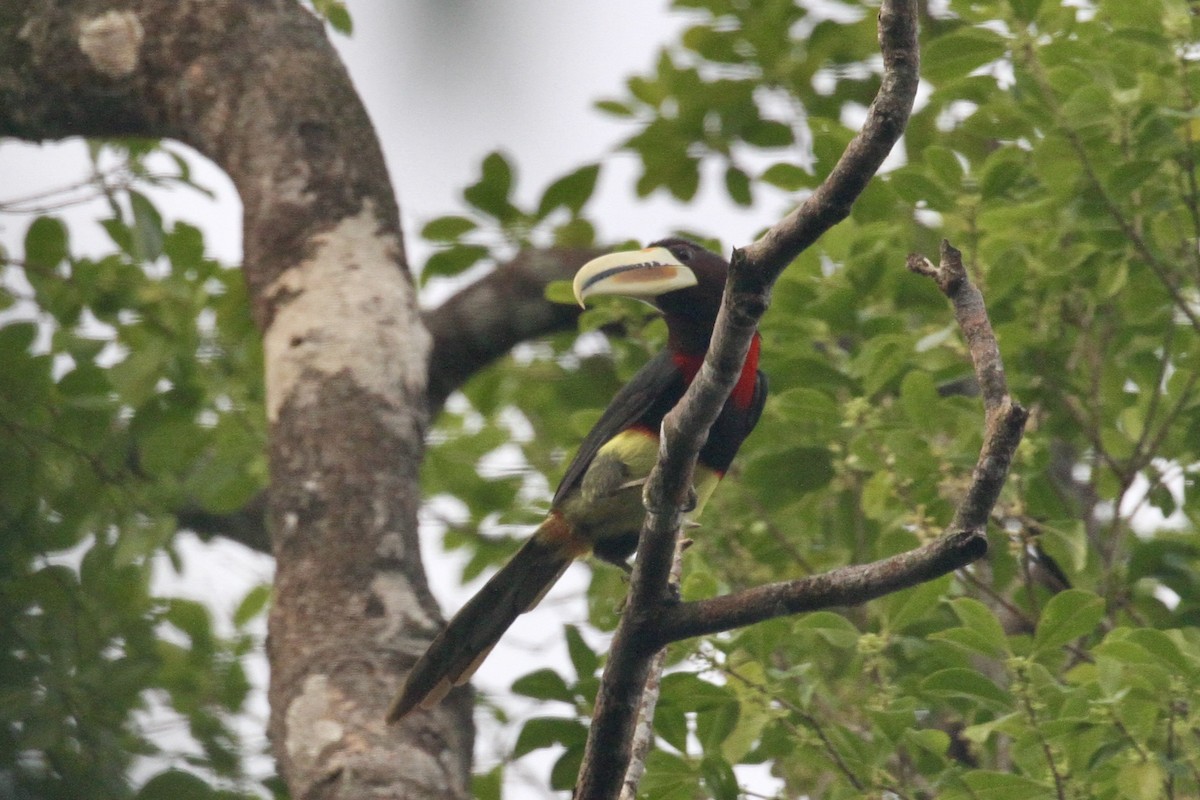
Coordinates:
x,y
257,88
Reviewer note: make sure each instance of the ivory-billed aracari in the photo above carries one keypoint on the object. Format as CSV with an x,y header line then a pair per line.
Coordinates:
x,y
598,506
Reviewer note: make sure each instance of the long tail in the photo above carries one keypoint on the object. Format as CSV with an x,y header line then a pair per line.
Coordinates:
x,y
465,642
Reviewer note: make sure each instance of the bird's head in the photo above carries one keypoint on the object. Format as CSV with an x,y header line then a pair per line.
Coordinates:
x,y
679,277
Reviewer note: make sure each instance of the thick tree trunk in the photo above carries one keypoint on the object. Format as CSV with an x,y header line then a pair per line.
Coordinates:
x,y
256,87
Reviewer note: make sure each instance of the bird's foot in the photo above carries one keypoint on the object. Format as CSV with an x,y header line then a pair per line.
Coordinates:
x,y
674,594
691,501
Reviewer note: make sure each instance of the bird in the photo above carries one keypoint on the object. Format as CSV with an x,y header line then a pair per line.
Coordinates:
x,y
598,505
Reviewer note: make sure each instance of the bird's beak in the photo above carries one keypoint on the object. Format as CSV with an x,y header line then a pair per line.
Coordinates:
x,y
644,274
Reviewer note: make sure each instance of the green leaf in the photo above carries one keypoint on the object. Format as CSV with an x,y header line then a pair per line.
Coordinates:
x,y
1068,616
565,772
1145,15
575,232
737,184
1129,176
833,628
253,604
814,412
560,292
490,194
45,243
147,228
1005,723
137,377
571,191
987,785
191,618
335,13
684,180
1165,646
788,177
943,164
174,784
669,777
778,478
1142,780
919,396
583,659
957,54
487,785
613,108
916,605
1025,10
768,134
453,260
543,684
1001,172
718,778
914,186
967,684
447,229
713,725
693,693
541,732
87,386
339,18
979,619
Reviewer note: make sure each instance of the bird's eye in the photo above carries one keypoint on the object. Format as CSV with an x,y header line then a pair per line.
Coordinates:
x,y
684,254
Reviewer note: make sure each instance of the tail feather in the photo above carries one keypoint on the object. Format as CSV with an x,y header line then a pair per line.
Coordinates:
x,y
465,642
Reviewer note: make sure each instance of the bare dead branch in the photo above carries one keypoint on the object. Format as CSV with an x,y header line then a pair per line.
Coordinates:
x,y
483,321
643,733
747,295
951,277
1004,420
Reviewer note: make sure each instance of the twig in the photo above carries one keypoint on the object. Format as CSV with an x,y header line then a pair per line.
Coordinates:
x,y
845,586
643,734
1004,420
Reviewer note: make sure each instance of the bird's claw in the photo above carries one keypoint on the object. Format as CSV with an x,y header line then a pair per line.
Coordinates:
x,y
691,501
674,595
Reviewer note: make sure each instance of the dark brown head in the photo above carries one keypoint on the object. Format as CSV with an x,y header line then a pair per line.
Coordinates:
x,y
679,277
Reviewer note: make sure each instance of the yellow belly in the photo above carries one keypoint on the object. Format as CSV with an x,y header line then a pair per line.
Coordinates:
x,y
608,502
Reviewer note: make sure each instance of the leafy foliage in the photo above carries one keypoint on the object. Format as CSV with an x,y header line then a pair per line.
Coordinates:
x,y
1056,147
125,400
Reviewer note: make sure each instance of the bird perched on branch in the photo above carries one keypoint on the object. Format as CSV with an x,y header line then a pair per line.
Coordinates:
x,y
598,506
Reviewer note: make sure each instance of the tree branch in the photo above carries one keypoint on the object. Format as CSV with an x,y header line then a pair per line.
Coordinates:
x,y
846,586
247,525
684,430
1004,420
483,321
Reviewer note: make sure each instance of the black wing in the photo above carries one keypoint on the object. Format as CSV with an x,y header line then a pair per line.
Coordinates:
x,y
650,383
